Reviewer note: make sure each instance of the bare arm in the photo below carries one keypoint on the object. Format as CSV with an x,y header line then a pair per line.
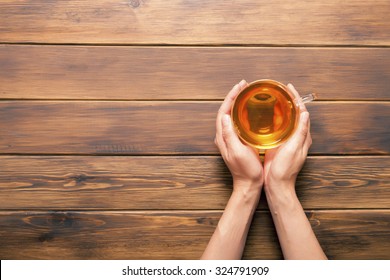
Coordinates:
x,y
244,163
228,240
281,167
295,234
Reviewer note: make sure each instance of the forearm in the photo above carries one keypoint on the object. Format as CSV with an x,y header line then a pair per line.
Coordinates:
x,y
296,237
228,240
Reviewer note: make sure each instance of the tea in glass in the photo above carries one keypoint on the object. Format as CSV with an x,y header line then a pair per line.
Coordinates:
x,y
264,114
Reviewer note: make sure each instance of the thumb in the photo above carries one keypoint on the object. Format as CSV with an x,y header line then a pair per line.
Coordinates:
x,y
228,133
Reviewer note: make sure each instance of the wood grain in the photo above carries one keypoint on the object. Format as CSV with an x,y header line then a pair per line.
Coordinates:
x,y
178,235
137,128
133,73
202,182
111,155
196,22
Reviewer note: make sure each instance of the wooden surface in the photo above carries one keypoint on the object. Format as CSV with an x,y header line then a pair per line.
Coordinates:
x,y
148,183
172,127
107,113
178,234
329,22
188,73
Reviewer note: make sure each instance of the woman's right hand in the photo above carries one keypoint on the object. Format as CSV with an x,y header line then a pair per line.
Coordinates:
x,y
282,164
281,167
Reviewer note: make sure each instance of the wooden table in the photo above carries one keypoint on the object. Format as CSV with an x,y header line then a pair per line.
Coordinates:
x,y
107,117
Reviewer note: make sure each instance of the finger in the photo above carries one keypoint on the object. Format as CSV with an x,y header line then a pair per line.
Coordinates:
x,y
243,84
302,131
292,89
307,145
231,96
223,110
220,143
308,140
229,135
227,104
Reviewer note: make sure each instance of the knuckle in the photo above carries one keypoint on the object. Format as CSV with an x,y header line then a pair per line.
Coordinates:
x,y
216,141
225,134
309,138
304,131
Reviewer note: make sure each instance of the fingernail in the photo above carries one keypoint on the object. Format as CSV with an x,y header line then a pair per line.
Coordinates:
x,y
242,83
226,120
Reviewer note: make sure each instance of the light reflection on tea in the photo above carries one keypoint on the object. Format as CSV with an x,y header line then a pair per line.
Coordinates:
x,y
264,114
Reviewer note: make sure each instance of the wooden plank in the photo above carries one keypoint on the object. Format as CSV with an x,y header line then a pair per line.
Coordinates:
x,y
58,127
69,182
73,72
178,235
196,22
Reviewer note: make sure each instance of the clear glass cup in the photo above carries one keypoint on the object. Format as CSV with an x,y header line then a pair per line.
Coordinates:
x,y
265,114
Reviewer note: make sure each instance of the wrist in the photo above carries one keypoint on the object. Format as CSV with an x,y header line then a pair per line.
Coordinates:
x,y
229,238
247,190
243,205
281,197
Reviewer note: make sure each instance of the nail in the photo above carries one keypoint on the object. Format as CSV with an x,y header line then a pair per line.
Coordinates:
x,y
226,120
242,83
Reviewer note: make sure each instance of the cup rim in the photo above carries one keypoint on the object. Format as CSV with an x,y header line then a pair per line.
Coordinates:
x,y
283,88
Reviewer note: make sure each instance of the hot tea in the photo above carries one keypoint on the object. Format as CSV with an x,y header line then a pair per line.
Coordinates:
x,y
264,114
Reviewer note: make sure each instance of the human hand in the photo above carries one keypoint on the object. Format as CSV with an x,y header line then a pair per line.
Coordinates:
x,y
243,161
281,167
282,164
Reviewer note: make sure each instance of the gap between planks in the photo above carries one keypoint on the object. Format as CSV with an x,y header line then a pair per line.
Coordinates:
x,y
184,211
323,46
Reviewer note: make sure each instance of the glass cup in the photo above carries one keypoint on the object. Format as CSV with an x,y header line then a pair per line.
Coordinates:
x,y
265,114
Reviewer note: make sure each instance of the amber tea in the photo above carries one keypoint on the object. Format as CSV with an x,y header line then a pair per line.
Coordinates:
x,y
264,114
